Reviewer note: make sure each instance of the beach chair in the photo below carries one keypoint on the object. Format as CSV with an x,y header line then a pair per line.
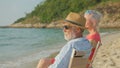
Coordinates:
x,y
92,55
78,60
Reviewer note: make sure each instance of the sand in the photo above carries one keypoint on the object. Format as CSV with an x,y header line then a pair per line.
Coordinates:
x,y
108,55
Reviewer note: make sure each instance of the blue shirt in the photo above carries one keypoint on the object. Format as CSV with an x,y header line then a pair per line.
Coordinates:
x,y
63,58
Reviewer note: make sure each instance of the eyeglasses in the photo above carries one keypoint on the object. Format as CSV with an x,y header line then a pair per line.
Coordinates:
x,y
66,27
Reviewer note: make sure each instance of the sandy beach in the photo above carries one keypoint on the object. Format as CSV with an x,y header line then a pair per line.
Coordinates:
x,y
108,55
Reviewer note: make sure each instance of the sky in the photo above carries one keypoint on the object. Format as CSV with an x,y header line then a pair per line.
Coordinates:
x,y
11,10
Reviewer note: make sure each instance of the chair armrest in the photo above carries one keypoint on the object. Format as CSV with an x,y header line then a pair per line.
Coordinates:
x,y
79,54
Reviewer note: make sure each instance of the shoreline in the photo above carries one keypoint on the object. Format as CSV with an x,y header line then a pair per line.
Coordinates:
x,y
53,26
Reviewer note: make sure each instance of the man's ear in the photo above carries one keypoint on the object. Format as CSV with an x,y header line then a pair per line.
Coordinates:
x,y
78,30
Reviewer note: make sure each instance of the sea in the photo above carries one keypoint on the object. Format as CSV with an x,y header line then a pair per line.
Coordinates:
x,y
23,47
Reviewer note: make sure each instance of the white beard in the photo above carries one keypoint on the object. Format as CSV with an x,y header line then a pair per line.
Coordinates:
x,y
70,36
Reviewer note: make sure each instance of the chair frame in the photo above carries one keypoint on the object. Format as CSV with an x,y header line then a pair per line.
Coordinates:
x,y
94,55
77,55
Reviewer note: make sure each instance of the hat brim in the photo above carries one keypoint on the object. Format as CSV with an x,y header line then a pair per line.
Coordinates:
x,y
75,23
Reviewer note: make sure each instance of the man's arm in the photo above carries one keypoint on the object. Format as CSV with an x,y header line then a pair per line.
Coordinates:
x,y
63,58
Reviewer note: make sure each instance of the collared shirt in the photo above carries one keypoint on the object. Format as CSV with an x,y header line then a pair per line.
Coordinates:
x,y
63,58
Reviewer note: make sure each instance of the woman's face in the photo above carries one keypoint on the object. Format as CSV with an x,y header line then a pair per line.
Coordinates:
x,y
89,24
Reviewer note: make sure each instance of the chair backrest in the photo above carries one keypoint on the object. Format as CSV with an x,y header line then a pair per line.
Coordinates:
x,y
92,55
77,59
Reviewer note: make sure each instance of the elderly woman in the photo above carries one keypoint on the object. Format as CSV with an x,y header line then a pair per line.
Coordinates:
x,y
92,20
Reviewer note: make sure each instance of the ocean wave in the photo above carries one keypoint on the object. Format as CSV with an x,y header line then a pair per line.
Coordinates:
x,y
18,62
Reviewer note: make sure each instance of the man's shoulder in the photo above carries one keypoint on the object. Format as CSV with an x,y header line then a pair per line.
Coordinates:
x,y
80,43
78,40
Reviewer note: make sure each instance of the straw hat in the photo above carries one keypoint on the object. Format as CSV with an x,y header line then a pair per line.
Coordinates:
x,y
76,19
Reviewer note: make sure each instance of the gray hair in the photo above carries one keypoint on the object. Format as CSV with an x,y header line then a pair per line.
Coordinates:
x,y
94,15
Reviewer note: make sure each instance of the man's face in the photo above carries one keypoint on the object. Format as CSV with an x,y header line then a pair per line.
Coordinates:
x,y
69,31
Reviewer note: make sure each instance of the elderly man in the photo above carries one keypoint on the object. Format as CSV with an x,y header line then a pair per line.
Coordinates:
x,y
73,28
